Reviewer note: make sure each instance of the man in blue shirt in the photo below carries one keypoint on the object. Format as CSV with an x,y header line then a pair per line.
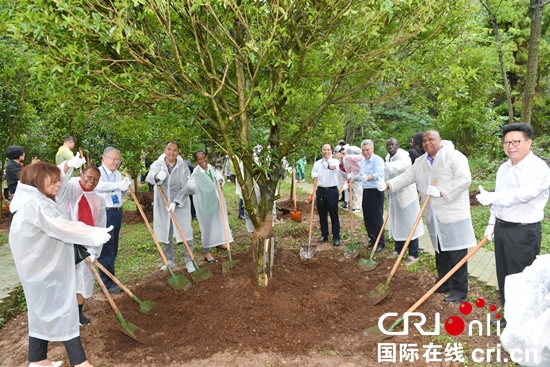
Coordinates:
x,y
372,168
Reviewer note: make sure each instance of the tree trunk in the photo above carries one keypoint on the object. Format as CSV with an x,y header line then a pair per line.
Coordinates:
x,y
532,60
487,6
263,245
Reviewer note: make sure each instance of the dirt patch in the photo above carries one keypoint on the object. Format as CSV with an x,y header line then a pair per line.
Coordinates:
x,y
5,221
311,309
473,200
134,216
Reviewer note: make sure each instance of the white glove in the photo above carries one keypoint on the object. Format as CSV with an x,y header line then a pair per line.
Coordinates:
x,y
364,178
191,183
490,232
345,187
123,185
381,184
433,191
314,174
101,235
325,164
171,207
92,257
76,162
487,197
351,177
162,175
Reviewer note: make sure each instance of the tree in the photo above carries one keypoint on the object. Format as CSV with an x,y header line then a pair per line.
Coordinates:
x,y
536,7
247,72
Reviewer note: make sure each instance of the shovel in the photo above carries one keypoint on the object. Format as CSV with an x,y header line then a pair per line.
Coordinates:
x,y
226,266
307,252
371,264
383,289
199,274
175,281
375,330
295,215
144,306
351,250
127,327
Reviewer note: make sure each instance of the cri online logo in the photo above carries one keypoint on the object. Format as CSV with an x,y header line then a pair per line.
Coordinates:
x,y
454,325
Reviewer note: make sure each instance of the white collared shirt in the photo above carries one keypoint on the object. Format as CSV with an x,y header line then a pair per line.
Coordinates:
x,y
327,177
525,191
107,186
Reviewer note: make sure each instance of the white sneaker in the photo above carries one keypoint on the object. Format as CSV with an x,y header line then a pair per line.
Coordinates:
x,y
411,260
393,255
171,263
190,267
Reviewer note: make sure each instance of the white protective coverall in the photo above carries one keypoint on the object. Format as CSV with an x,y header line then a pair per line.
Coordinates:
x,y
447,217
207,205
41,240
527,310
175,189
68,198
403,205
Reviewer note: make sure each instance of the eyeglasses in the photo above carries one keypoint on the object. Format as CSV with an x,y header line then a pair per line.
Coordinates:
x,y
513,143
113,159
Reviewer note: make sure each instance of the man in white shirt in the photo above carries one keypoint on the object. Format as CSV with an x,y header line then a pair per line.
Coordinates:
x,y
521,193
110,187
327,172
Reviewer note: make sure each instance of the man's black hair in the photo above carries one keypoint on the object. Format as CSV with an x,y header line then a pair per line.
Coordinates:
x,y
519,126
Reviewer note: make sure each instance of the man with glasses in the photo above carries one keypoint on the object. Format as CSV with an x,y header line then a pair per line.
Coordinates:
x,y
110,187
521,193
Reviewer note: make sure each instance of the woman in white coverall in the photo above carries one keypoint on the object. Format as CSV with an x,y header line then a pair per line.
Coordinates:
x,y
79,200
41,239
207,204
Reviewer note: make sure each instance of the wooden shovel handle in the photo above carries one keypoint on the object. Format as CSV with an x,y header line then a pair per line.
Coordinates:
x,y
406,245
222,209
81,156
138,205
176,223
448,275
113,278
380,234
350,209
312,206
102,285
293,182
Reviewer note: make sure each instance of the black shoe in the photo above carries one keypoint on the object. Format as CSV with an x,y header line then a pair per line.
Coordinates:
x,y
322,239
114,289
439,290
213,261
454,299
83,320
503,323
369,245
379,248
241,217
337,242
344,206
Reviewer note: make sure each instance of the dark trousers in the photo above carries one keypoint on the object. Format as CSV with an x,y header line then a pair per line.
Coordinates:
x,y
193,211
413,247
516,246
110,248
457,284
373,214
38,350
327,204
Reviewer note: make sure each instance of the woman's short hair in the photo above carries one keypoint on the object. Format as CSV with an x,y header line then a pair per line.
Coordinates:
x,y
36,174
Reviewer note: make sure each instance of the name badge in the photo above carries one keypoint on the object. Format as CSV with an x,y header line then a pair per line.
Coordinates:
x,y
114,198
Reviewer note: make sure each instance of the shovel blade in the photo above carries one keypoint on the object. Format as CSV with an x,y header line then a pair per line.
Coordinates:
x,y
351,250
226,266
127,327
146,306
375,330
178,282
307,252
296,216
200,274
379,293
368,264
